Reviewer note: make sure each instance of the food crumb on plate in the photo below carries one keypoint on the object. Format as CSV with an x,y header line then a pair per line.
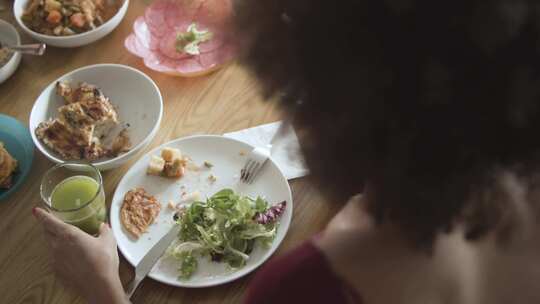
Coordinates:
x,y
191,197
208,164
190,165
170,205
212,178
242,153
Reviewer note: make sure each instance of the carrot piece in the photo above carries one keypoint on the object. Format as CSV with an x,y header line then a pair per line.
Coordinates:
x,y
54,17
77,20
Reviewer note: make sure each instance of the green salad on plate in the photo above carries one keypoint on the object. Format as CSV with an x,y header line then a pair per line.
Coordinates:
x,y
225,228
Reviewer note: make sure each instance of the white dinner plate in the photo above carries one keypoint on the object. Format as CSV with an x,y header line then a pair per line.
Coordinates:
x,y
228,157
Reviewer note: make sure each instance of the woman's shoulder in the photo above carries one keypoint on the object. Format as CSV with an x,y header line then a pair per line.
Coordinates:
x,y
305,274
382,265
302,275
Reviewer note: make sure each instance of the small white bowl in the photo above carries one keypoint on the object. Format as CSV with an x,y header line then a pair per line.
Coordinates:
x,y
135,96
75,40
9,35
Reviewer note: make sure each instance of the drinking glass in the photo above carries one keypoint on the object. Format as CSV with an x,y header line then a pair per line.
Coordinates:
x,y
73,192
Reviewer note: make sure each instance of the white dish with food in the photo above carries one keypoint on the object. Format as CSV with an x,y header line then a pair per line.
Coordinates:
x,y
133,97
9,62
74,26
215,164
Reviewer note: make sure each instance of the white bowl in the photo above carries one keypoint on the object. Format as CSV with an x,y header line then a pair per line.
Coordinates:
x,y
75,40
9,35
135,95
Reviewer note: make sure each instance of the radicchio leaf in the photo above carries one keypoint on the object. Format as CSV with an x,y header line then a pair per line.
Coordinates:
x,y
271,214
216,257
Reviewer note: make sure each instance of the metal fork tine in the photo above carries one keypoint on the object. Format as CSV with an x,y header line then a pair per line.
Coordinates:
x,y
254,172
254,165
249,170
244,170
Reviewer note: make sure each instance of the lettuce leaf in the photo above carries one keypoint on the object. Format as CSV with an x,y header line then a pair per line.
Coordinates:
x,y
223,228
188,41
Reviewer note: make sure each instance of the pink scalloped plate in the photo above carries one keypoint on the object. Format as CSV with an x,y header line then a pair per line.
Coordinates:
x,y
154,36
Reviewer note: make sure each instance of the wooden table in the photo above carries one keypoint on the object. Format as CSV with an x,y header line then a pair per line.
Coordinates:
x,y
226,100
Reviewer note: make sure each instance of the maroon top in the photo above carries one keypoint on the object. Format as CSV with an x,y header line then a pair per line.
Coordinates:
x,y
300,276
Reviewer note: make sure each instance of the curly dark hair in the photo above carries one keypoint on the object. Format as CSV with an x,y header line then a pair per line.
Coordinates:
x,y
428,101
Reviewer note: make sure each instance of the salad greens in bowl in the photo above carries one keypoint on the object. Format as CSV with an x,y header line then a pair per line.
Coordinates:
x,y
225,228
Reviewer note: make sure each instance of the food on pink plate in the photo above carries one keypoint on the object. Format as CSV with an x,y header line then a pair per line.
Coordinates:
x,y
188,42
83,124
68,17
139,210
183,37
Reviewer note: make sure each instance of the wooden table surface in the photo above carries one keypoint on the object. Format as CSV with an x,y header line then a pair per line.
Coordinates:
x,y
226,100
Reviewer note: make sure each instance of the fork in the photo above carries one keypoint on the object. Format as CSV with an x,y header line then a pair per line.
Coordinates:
x,y
256,160
258,157
37,49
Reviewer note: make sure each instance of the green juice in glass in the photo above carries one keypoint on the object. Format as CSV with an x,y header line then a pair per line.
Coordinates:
x,y
77,202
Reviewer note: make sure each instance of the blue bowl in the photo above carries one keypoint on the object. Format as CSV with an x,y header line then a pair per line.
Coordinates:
x,y
18,143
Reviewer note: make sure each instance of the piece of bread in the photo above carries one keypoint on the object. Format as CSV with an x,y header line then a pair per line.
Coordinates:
x,y
156,165
171,164
171,154
174,169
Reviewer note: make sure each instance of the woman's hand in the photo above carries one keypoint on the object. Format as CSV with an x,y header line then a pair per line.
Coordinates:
x,y
86,263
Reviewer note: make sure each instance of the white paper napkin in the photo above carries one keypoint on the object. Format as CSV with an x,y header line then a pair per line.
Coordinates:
x,y
285,152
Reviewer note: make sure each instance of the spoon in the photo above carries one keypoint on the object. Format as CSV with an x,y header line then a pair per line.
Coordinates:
x,y
30,49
